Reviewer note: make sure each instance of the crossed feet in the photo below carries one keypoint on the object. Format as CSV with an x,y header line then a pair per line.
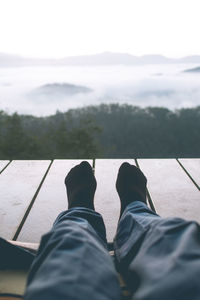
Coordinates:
x,y
81,185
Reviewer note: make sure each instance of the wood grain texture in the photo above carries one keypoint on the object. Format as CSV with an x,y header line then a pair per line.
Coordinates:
x,y
192,166
172,191
51,200
18,184
106,198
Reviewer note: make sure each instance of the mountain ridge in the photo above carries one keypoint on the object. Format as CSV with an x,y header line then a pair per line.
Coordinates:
x,y
105,58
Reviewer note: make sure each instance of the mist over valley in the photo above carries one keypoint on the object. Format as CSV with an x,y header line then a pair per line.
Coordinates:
x,y
42,90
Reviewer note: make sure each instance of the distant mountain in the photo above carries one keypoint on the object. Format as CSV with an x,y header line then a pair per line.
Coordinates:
x,y
58,90
106,58
109,58
194,70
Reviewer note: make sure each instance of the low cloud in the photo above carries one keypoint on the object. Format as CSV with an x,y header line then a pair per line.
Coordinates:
x,y
135,85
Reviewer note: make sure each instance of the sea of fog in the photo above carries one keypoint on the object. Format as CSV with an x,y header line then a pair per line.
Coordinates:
x,y
152,85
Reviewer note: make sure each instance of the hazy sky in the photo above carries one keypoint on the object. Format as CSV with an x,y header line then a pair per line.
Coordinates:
x,y
58,28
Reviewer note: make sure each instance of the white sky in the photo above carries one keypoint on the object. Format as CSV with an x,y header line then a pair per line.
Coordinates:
x,y
59,28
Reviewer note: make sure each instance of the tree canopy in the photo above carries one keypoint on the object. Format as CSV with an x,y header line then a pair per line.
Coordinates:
x,y
106,131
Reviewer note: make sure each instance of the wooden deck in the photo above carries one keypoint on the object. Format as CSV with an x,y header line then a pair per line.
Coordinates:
x,y
32,193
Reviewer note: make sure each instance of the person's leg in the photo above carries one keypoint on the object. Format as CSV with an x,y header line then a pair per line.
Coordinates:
x,y
159,258
73,261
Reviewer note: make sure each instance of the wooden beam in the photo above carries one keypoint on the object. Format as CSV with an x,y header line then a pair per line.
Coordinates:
x,y
172,191
51,200
3,164
18,185
192,167
106,199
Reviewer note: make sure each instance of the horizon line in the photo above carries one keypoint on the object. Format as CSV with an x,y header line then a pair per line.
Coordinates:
x,y
94,54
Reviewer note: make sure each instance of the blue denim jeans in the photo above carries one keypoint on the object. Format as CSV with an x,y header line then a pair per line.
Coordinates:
x,y
159,258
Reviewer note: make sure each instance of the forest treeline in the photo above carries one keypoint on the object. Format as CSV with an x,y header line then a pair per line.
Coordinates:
x,y
104,131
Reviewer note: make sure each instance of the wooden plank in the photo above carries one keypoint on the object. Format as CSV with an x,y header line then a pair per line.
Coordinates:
x,y
171,190
12,282
51,200
18,184
3,164
192,166
107,200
